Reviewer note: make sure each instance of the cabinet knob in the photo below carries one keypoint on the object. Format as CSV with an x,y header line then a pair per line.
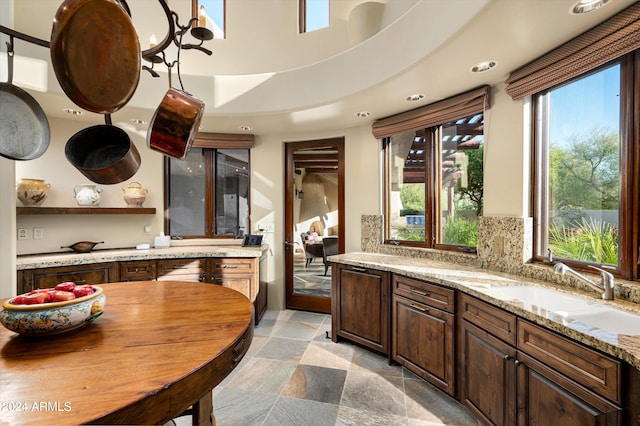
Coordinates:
x,y
517,363
507,357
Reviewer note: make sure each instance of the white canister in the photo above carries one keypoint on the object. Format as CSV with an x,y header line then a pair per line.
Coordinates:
x,y
87,195
162,241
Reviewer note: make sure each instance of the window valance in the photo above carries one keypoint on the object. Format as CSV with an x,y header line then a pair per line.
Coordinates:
x,y
223,141
609,40
465,104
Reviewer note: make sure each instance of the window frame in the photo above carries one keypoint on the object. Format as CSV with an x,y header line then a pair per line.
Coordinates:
x,y
195,7
432,183
629,204
302,16
210,143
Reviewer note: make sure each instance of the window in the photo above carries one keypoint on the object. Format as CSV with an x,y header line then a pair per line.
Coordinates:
x,y
212,13
208,193
584,201
434,182
313,15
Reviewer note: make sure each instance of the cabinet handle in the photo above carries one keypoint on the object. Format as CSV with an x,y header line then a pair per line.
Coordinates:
x,y
507,357
517,363
230,267
420,308
357,269
419,292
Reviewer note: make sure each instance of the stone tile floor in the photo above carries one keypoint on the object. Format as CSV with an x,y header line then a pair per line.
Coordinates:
x,y
293,375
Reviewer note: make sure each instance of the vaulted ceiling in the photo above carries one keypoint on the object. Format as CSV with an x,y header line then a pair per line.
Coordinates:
x,y
266,75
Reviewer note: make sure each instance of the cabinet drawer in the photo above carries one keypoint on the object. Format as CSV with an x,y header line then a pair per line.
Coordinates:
x,y
231,265
594,370
494,320
426,293
137,271
181,269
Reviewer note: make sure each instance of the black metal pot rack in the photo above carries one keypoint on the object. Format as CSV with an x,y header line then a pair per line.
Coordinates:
x,y
156,54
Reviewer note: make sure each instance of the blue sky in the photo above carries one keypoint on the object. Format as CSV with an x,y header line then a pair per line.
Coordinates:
x,y
586,104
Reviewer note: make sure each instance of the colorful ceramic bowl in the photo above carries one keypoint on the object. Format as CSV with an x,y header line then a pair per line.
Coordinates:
x,y
53,318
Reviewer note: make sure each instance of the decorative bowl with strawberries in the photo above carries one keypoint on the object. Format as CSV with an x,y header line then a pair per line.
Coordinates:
x,y
43,312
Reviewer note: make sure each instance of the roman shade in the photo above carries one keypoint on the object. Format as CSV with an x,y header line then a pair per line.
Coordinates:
x,y
459,106
609,40
223,141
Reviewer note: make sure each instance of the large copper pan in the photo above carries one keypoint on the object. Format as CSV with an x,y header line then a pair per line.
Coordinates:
x,y
95,53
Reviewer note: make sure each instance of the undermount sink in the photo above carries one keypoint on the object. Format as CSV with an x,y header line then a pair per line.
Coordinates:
x,y
575,310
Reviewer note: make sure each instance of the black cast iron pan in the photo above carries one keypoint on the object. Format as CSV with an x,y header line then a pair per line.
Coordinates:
x,y
25,131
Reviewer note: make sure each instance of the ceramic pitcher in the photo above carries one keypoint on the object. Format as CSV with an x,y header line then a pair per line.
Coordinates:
x,y
87,195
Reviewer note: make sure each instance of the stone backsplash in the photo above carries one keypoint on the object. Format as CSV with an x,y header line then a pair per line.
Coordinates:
x,y
505,244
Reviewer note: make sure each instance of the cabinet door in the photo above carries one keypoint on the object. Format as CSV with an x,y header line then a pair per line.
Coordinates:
x,y
361,306
182,270
138,270
97,273
236,273
423,341
546,397
486,377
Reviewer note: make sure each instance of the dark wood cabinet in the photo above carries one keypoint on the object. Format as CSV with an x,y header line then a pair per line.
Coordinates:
x,y
97,273
423,336
486,376
138,270
182,270
545,397
240,274
361,307
523,374
248,275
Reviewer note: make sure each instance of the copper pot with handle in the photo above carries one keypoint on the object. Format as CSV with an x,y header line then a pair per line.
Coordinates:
x,y
175,123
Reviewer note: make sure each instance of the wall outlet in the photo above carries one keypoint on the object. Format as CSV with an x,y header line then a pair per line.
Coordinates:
x,y
38,233
23,233
265,227
147,229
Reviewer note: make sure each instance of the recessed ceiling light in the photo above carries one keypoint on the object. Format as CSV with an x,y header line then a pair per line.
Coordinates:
x,y
245,128
73,111
138,121
586,6
483,66
363,114
414,98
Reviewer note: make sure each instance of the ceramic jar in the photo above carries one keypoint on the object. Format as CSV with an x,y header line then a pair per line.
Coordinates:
x,y
87,195
134,194
32,192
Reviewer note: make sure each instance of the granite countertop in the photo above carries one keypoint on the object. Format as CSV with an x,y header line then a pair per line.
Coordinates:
x,y
482,284
115,255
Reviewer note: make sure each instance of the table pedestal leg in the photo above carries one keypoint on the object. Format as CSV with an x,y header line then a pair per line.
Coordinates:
x,y
203,411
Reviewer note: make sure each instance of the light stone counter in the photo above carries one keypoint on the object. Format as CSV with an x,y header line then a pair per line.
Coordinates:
x,y
123,255
481,283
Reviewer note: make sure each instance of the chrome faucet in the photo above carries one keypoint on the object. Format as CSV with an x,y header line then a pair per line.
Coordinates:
x,y
606,282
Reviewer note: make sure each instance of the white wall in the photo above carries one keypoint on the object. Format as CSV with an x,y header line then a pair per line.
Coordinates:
x,y
117,231
506,188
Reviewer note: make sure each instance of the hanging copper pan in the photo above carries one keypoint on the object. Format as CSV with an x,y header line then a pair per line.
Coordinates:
x,y
175,123
103,153
95,53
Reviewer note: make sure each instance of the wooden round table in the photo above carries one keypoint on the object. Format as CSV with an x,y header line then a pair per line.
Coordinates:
x,y
158,349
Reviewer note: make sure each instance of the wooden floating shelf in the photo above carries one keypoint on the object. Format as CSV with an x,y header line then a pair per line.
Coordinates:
x,y
84,210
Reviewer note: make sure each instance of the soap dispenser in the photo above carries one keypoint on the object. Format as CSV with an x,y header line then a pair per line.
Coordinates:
x,y
162,241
